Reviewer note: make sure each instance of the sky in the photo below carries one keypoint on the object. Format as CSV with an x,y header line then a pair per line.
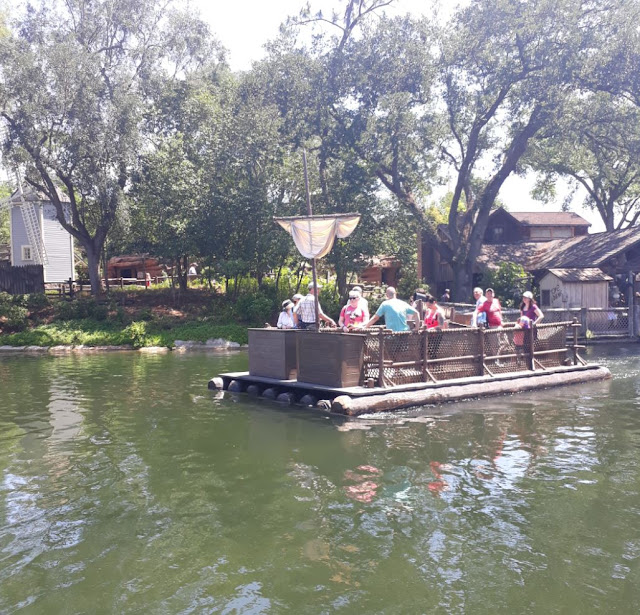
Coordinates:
x,y
244,26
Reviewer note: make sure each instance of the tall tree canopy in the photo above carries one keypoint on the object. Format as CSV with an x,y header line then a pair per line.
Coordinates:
x,y
77,79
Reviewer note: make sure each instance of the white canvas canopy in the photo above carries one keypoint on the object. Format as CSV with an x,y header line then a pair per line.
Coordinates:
x,y
314,235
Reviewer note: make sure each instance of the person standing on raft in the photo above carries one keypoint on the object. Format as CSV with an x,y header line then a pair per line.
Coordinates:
x,y
395,312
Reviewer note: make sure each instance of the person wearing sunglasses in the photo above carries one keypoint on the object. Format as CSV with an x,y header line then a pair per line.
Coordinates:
x,y
352,315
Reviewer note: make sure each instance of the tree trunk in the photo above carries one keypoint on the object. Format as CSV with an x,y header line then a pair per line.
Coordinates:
x,y
182,268
341,282
93,264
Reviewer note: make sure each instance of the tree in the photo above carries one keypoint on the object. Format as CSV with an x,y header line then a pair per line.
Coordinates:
x,y
78,79
596,145
468,97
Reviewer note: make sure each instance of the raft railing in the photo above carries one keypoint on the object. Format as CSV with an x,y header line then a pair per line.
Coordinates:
x,y
396,358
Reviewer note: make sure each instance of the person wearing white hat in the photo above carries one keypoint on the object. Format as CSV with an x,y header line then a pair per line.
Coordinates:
x,y
307,311
285,320
529,308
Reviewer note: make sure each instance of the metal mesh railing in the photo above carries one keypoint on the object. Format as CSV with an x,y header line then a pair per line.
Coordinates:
x,y
392,359
614,321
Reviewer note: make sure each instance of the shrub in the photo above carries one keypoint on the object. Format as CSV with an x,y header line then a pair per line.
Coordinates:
x,y
509,282
16,316
254,308
409,282
330,300
81,308
37,301
137,331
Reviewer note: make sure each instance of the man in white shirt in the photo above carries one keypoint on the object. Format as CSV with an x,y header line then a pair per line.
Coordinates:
x,y
306,311
478,319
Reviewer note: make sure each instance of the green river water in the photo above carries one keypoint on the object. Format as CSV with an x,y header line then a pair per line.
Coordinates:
x,y
127,487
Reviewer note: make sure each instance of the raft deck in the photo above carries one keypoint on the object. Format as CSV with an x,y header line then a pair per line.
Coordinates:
x,y
373,370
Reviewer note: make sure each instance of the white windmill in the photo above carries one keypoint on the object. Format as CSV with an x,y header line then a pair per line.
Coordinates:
x,y
30,215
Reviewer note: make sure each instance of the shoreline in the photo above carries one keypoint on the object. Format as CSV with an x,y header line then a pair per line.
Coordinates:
x,y
217,345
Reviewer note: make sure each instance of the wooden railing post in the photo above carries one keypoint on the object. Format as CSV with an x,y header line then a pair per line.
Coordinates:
x,y
530,336
575,341
381,357
425,357
583,321
481,346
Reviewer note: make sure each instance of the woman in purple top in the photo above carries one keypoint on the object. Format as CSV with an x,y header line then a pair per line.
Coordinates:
x,y
529,308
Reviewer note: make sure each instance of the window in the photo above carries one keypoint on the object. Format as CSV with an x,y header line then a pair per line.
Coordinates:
x,y
26,253
498,234
540,233
545,298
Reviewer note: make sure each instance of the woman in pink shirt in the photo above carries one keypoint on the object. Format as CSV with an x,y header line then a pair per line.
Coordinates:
x,y
352,315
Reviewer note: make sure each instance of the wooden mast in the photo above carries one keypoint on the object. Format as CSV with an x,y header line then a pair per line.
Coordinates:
x,y
316,304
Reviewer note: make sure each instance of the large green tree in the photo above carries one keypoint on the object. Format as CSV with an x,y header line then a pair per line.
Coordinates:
x,y
468,97
595,144
77,79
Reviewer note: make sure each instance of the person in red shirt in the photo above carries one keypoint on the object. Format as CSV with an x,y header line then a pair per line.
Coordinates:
x,y
492,308
434,315
352,315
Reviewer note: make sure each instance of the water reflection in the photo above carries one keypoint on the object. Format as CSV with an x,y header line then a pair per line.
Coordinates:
x,y
125,483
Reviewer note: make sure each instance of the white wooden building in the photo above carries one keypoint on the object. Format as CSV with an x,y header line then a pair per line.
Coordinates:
x,y
575,288
55,251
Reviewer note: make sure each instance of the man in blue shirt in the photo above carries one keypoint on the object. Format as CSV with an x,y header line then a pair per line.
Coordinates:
x,y
395,312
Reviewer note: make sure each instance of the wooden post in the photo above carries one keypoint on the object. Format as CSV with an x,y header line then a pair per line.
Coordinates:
x,y
575,341
314,273
583,320
121,281
425,358
529,333
481,345
381,357
630,303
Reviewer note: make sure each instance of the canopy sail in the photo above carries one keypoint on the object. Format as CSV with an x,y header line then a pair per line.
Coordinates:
x,y
314,235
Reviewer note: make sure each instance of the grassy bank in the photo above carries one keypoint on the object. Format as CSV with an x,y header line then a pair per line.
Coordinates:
x,y
89,332
152,318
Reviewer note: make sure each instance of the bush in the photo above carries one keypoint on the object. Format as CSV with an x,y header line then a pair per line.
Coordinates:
x,y
37,301
409,282
79,309
330,300
137,331
254,308
16,316
509,282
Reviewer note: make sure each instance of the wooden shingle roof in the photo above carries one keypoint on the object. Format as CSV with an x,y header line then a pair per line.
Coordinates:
x,y
550,218
587,251
588,274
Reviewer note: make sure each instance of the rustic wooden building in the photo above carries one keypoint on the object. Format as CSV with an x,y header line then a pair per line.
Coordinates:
x,y
519,226
575,288
134,266
381,270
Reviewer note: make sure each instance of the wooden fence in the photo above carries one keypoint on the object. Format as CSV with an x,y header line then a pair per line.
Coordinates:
x,y
21,280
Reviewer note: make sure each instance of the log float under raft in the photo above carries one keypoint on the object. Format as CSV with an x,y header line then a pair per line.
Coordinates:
x,y
354,401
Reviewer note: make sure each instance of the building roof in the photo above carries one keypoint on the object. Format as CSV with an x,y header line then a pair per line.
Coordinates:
x,y
588,274
586,251
525,254
548,218
30,194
